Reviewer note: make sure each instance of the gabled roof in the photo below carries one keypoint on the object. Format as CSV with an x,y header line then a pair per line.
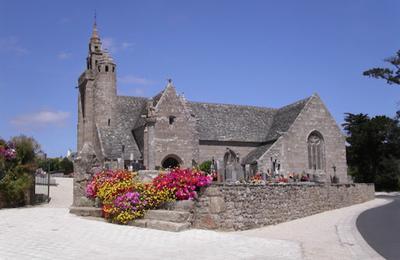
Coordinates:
x,y
157,97
224,122
253,156
284,118
128,110
214,122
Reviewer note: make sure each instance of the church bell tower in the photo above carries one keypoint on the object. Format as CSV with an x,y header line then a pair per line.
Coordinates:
x,y
97,94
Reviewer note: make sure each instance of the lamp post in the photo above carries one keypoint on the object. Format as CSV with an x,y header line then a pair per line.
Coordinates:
x,y
48,177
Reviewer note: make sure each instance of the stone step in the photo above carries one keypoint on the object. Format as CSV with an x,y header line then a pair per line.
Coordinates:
x,y
168,215
86,211
138,223
180,205
160,225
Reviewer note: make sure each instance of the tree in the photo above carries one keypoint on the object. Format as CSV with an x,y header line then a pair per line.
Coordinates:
x,y
17,165
26,147
66,165
391,76
373,153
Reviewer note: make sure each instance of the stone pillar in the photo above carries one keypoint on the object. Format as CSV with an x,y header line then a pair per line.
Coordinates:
x,y
85,166
220,171
151,159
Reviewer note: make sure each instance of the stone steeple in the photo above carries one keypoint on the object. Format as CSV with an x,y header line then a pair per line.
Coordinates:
x,y
97,94
95,33
95,51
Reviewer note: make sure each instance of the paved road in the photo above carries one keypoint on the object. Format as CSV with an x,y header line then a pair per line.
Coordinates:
x,y
50,232
380,227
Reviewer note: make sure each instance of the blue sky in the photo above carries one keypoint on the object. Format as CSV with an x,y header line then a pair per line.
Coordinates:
x,y
263,53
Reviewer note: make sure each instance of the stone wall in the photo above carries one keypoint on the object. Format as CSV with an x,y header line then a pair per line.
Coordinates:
x,y
177,138
241,207
291,148
207,152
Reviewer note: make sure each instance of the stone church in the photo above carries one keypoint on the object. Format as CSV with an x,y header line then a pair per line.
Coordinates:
x,y
168,130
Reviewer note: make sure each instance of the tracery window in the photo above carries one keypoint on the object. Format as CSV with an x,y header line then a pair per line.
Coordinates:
x,y
316,151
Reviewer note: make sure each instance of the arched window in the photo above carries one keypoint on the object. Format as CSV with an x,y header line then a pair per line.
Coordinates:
x,y
316,151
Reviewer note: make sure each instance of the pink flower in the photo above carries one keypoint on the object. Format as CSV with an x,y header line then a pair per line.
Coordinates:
x,y
185,182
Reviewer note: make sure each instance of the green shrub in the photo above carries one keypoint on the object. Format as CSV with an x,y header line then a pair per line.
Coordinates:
x,y
14,186
205,166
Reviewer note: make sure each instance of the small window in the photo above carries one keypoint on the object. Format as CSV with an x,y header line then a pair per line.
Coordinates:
x,y
109,122
113,69
171,120
95,62
98,68
96,48
106,68
123,148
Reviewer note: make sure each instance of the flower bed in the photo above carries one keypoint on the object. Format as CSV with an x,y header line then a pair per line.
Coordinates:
x,y
124,198
183,182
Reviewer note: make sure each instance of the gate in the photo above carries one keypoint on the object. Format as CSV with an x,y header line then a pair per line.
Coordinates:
x,y
42,187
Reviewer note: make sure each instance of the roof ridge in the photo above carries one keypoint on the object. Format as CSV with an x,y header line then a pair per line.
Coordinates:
x,y
123,96
296,102
237,105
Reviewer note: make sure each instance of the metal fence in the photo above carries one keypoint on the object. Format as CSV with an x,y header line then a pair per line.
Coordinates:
x,y
43,181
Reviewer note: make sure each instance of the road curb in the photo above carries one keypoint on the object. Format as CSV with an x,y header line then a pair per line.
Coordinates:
x,y
351,239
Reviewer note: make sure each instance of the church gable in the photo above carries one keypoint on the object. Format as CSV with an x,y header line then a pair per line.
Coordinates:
x,y
175,135
325,157
284,118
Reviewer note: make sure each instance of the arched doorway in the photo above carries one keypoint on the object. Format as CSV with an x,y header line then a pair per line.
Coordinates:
x,y
171,161
232,169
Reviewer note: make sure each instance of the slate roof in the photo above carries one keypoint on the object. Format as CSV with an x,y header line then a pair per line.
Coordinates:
x,y
215,122
284,118
256,153
222,122
157,97
128,110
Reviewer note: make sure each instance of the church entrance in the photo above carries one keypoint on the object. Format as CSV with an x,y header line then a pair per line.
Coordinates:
x,y
171,161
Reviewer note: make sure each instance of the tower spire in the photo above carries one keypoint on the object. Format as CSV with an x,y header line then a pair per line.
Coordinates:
x,y
95,18
95,33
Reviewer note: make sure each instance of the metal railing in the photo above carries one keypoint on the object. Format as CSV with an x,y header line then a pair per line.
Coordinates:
x,y
43,181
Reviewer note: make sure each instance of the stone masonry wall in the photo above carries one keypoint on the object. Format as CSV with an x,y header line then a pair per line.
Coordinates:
x,y
177,139
291,148
241,207
207,152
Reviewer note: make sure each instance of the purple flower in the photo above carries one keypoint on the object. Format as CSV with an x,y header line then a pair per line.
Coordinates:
x,y
127,200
